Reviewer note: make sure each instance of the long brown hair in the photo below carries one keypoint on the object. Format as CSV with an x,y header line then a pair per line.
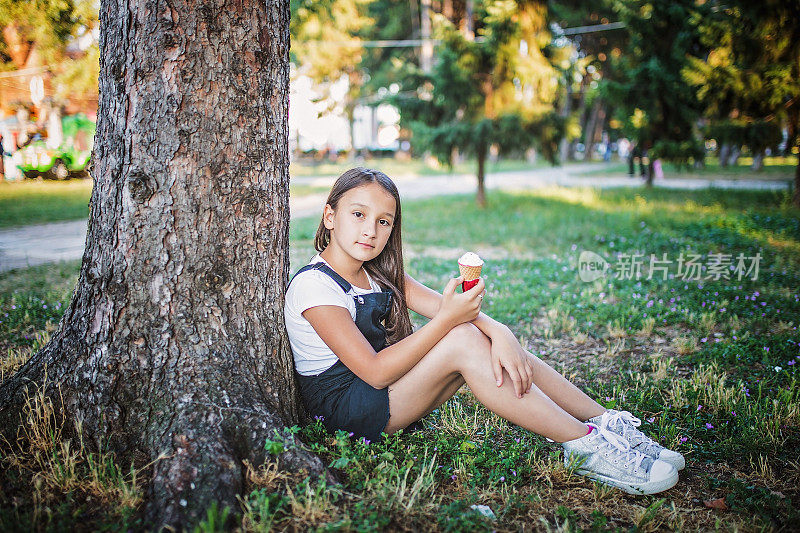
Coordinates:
x,y
387,268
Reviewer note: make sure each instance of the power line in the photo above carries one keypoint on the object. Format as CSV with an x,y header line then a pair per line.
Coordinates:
x,y
23,72
593,28
407,43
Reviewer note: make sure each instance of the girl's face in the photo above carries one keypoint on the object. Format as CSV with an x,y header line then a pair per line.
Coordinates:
x,y
362,222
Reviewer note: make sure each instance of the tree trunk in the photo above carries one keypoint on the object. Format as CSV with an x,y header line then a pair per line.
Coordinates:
x,y
173,348
758,161
597,135
648,179
724,153
733,156
480,198
582,114
563,146
589,131
796,194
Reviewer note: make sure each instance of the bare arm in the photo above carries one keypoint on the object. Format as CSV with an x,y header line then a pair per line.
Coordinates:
x,y
426,301
506,350
336,328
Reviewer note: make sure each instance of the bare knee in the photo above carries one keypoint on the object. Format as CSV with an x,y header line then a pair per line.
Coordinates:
x,y
464,335
466,344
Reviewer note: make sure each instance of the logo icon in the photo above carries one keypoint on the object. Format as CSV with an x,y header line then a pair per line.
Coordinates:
x,y
591,266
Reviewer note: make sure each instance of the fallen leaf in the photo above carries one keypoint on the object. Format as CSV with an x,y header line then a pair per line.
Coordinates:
x,y
719,503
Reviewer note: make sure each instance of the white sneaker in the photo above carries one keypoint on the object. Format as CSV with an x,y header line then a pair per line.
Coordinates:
x,y
608,458
625,424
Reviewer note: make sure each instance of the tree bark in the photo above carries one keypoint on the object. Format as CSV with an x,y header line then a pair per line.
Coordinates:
x,y
648,179
796,193
758,161
563,145
589,131
173,348
480,198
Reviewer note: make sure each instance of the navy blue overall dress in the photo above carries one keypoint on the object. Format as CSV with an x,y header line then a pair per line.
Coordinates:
x,y
344,400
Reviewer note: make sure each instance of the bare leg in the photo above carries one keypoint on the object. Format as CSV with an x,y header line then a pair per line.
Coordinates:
x,y
563,392
466,351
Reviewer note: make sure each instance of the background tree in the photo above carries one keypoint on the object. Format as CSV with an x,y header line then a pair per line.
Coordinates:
x,y
587,108
497,89
48,29
654,100
172,352
749,82
327,45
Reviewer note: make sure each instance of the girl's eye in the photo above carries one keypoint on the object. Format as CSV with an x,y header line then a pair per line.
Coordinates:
x,y
385,222
358,214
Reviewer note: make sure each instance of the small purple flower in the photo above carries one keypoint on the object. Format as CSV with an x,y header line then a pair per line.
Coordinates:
x,y
650,303
709,426
704,339
684,439
733,413
350,434
502,478
790,363
453,477
367,441
699,407
319,417
651,419
514,472
766,348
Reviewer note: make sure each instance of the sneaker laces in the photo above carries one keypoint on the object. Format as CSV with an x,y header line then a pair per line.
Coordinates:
x,y
626,422
624,417
620,445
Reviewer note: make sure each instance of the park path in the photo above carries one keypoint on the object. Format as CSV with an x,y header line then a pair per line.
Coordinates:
x,y
46,243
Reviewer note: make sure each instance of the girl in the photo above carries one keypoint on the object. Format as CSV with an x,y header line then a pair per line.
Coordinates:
x,y
361,368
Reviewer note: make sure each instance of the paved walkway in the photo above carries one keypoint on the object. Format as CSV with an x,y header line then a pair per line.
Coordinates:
x,y
47,243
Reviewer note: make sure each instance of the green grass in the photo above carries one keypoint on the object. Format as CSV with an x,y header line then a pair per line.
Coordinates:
x,y
708,365
39,202
35,202
417,167
775,168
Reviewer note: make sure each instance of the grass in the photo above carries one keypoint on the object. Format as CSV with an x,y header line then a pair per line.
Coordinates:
x,y
39,202
775,168
35,202
416,167
708,365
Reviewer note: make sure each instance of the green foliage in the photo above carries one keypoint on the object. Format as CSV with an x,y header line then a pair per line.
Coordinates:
x,y
749,81
653,100
497,89
50,25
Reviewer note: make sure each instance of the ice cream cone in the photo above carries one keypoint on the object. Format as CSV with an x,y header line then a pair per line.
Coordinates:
x,y
469,265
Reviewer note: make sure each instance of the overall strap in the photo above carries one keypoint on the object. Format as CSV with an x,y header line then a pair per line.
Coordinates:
x,y
322,267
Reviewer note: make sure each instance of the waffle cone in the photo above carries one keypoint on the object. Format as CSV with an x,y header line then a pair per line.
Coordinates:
x,y
470,272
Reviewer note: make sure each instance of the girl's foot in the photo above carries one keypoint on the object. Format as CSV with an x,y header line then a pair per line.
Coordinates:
x,y
625,424
608,458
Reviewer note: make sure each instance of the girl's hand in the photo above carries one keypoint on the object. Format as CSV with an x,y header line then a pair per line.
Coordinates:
x,y
457,308
508,354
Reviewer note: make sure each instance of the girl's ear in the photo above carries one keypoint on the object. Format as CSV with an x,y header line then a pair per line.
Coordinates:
x,y
327,217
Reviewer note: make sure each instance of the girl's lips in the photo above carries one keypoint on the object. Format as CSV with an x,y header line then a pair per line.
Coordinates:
x,y
365,245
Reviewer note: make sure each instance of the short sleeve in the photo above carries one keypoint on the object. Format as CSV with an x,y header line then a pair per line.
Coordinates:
x,y
312,289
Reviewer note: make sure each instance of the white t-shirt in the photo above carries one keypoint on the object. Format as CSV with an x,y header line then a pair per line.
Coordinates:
x,y
311,289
